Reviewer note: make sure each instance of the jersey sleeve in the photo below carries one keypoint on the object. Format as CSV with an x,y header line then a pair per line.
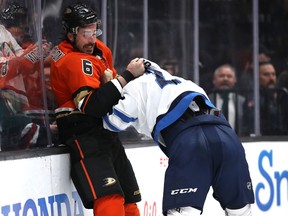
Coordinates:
x,y
16,66
124,114
100,101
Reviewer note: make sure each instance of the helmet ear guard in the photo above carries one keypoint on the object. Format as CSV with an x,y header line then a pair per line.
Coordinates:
x,y
79,15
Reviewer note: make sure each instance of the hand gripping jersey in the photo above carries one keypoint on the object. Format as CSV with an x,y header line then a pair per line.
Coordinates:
x,y
81,71
153,102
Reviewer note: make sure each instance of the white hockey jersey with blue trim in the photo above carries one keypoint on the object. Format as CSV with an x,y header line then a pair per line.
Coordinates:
x,y
150,96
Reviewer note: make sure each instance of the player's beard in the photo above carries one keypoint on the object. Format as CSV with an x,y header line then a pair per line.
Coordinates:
x,y
88,48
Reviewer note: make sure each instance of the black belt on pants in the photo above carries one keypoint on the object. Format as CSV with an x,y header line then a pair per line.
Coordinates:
x,y
169,133
188,114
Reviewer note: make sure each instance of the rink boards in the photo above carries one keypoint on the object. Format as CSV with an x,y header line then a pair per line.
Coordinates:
x,y
41,185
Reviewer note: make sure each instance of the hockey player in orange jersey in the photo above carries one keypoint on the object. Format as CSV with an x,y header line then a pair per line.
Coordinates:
x,y
100,169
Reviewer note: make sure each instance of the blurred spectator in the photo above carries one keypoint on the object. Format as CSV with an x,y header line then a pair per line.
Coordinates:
x,y
273,105
171,65
282,86
226,97
282,81
246,83
269,115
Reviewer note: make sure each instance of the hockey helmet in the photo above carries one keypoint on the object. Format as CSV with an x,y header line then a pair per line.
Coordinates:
x,y
79,15
13,15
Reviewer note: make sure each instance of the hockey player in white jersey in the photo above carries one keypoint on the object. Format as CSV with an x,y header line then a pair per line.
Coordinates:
x,y
202,148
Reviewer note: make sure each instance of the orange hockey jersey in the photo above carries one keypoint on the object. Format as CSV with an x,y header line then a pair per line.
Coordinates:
x,y
75,74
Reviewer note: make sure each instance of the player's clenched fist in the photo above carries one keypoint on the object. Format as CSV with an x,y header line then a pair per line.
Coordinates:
x,y
136,67
107,76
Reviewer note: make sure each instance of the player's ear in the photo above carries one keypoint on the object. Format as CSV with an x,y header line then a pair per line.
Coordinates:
x,y
70,36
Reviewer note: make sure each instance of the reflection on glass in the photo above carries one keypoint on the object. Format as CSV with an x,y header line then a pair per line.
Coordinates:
x,y
24,111
226,39
170,35
125,31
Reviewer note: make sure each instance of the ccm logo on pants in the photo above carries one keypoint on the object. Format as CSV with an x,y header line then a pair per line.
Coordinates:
x,y
183,191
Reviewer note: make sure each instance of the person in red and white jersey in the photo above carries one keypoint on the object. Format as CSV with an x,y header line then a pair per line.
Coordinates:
x,y
17,69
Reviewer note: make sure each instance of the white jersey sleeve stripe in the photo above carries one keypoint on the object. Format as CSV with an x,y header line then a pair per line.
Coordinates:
x,y
120,119
123,117
108,125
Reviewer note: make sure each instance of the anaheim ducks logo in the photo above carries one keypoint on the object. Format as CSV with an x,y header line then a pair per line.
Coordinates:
x,y
108,182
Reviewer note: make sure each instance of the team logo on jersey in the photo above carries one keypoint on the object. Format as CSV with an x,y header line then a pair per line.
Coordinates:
x,y
108,181
87,67
56,54
7,49
4,69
